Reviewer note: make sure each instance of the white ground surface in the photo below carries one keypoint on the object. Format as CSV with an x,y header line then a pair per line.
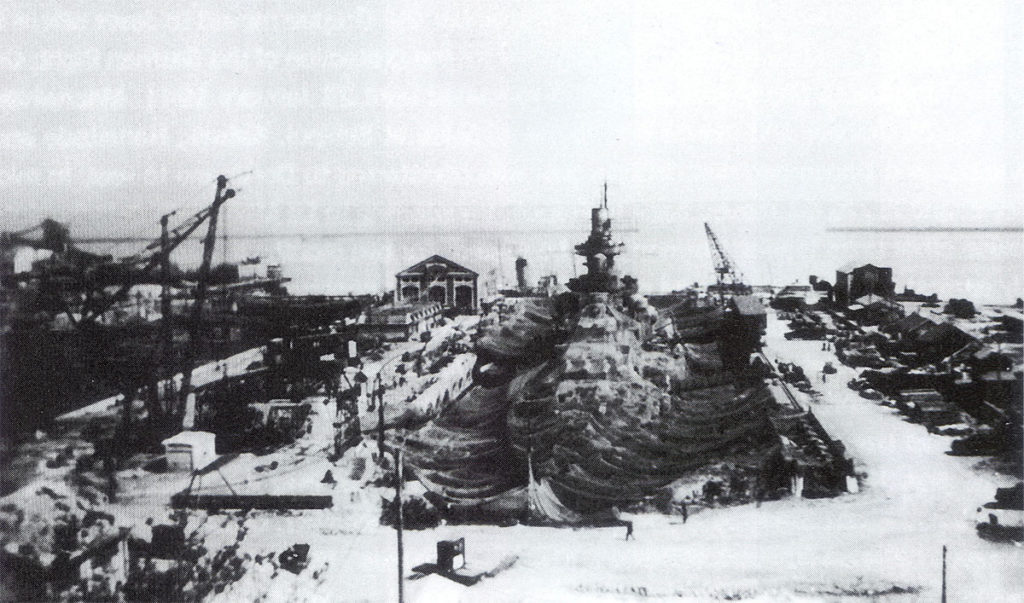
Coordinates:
x,y
914,500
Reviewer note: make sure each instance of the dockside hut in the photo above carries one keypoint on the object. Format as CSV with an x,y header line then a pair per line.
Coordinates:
x,y
190,450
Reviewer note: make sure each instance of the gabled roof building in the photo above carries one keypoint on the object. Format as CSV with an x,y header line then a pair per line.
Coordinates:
x,y
438,280
852,283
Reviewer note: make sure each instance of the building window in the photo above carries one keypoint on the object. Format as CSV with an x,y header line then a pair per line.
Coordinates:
x,y
464,296
438,294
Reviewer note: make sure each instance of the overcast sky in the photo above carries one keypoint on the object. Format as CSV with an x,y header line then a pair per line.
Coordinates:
x,y
371,116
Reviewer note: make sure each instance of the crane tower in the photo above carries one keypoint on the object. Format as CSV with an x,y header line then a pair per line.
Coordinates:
x,y
728,281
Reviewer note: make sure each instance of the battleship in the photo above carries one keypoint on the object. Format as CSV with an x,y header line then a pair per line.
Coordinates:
x,y
580,406
590,407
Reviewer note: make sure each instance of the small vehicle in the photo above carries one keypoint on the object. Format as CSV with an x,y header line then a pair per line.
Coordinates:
x,y
829,369
1002,520
871,394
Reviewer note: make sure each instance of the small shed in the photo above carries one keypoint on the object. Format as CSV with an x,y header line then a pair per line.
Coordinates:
x,y
750,311
902,327
190,450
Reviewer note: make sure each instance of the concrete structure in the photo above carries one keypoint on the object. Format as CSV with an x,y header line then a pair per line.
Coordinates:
x,y
190,450
451,383
399,322
852,283
438,280
448,385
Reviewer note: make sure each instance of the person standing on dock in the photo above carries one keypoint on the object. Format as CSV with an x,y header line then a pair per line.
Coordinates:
x,y
629,524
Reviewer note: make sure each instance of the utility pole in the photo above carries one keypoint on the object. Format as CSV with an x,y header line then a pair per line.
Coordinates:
x,y
166,309
378,394
943,573
401,521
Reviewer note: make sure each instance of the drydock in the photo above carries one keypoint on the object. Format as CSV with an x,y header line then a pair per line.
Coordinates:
x,y
579,407
455,418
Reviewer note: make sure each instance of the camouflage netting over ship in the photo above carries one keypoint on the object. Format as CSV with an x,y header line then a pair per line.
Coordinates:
x,y
574,415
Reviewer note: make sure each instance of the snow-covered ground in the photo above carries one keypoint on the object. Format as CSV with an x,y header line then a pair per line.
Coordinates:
x,y
886,539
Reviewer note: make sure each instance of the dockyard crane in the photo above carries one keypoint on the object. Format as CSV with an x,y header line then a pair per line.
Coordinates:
x,y
725,268
68,269
54,237
157,253
195,324
85,286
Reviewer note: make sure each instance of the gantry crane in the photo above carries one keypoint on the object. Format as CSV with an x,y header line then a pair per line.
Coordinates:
x,y
85,286
85,277
54,237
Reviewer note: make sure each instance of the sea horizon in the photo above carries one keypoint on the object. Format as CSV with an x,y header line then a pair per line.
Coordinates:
x,y
979,264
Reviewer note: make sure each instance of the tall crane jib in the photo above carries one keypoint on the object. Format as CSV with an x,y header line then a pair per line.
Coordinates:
x,y
157,252
728,281
195,323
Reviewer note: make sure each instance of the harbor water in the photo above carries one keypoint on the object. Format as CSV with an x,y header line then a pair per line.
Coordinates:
x,y
984,266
